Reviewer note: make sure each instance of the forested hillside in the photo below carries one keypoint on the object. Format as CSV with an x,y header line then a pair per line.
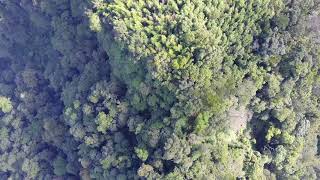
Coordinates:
x,y
159,89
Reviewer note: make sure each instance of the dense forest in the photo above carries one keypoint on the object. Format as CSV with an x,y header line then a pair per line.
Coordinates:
x,y
159,89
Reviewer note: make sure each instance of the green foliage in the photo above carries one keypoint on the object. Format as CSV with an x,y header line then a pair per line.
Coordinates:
x,y
202,122
5,104
153,89
273,131
103,121
215,103
141,153
282,21
59,166
31,167
95,23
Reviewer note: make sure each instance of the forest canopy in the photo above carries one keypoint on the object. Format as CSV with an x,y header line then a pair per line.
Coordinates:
x,y
160,89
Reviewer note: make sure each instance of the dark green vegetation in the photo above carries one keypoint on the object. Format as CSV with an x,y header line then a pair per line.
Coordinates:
x,y
159,89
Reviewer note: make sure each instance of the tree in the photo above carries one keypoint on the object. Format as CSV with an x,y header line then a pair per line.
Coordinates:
x,y
5,104
59,166
30,167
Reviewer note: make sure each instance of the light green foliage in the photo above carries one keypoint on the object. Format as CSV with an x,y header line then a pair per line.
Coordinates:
x,y
95,23
202,121
141,153
152,89
283,114
106,163
5,104
103,121
274,85
273,131
189,42
31,167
